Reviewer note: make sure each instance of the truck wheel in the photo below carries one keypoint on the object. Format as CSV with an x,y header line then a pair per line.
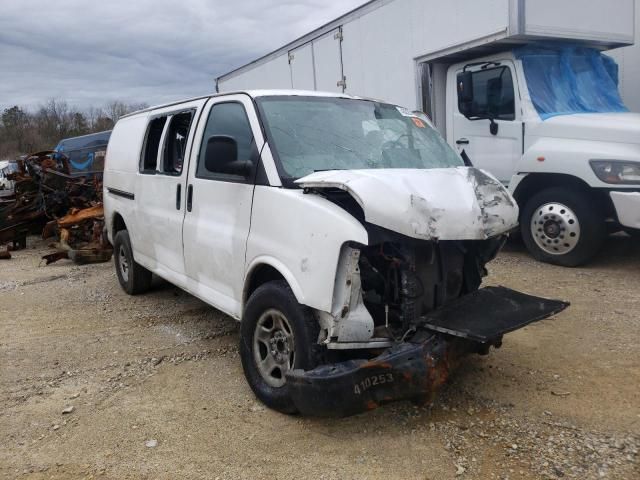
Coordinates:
x,y
134,279
563,227
277,334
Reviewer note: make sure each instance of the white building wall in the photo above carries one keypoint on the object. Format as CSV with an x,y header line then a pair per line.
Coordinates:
x,y
274,74
378,49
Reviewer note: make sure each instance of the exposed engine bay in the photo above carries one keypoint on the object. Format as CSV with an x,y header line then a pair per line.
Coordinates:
x,y
401,279
402,282
409,305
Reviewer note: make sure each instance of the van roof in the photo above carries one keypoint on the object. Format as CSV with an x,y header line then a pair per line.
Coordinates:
x,y
84,140
252,94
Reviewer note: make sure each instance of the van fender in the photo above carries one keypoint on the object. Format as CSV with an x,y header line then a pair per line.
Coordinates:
x,y
281,268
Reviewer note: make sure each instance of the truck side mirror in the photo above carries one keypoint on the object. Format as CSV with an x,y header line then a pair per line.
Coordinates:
x,y
465,87
221,156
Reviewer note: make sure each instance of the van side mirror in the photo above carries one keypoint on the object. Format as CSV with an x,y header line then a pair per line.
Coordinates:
x,y
221,156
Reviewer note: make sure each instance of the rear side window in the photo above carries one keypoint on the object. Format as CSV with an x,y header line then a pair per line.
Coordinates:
x,y
175,145
226,119
152,145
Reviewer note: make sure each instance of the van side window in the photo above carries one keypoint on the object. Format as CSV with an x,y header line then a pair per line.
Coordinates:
x,y
493,95
230,120
176,143
152,145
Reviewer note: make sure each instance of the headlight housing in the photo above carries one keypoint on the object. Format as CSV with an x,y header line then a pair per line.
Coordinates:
x,y
617,172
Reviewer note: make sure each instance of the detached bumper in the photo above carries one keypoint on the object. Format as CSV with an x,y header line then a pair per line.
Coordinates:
x,y
409,371
415,369
627,206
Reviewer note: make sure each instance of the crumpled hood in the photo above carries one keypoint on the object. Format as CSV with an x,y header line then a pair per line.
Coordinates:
x,y
446,203
601,127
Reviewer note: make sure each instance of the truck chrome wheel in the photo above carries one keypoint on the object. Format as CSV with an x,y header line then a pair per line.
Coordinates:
x,y
555,228
123,263
273,347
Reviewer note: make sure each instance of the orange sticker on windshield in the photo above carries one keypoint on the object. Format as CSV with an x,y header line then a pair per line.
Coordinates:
x,y
417,122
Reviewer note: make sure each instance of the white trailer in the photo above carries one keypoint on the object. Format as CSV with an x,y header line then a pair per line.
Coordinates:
x,y
378,50
579,156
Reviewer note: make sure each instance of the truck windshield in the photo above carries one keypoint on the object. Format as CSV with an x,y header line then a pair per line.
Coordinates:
x,y
565,79
310,134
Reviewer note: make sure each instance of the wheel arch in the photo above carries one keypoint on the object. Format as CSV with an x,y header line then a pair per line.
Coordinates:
x,y
267,269
117,224
533,183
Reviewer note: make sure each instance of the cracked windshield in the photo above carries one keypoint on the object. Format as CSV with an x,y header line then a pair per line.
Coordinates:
x,y
311,134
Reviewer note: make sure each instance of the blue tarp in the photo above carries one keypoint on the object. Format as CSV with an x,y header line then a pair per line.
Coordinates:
x,y
564,79
81,150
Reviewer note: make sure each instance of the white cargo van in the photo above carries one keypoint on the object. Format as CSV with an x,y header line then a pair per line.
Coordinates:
x,y
344,233
520,86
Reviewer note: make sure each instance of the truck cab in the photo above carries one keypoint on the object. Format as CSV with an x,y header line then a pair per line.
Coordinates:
x,y
547,120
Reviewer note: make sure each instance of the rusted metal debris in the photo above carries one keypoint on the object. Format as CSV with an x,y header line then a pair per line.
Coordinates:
x,y
51,199
80,236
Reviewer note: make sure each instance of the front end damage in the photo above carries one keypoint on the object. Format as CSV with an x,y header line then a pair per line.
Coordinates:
x,y
408,306
413,369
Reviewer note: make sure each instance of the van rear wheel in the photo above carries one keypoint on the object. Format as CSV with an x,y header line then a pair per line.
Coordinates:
x,y
277,335
134,279
563,227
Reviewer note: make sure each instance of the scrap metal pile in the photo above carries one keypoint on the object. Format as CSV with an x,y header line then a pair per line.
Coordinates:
x,y
51,199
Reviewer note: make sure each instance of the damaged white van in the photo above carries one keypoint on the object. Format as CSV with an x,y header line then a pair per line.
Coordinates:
x,y
347,237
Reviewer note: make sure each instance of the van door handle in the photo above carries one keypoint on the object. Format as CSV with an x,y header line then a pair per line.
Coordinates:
x,y
189,198
462,141
178,196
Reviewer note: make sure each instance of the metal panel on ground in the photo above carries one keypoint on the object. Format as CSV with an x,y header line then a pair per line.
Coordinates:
x,y
301,64
328,62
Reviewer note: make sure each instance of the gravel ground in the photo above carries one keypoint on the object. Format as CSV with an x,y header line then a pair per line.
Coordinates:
x,y
96,384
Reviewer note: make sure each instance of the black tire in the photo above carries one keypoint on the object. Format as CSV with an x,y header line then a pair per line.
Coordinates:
x,y
134,279
276,296
590,219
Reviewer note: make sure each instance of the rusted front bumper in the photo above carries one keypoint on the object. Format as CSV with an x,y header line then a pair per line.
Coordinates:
x,y
408,371
413,370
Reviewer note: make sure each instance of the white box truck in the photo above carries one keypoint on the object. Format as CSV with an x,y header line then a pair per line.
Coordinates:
x,y
520,88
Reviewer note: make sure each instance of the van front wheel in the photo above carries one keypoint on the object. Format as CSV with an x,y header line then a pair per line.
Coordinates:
x,y
134,279
563,227
277,335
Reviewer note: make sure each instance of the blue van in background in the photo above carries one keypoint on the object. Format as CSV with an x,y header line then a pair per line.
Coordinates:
x,y
85,154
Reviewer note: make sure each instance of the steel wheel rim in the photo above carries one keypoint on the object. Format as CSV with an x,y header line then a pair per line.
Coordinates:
x,y
123,263
273,347
555,228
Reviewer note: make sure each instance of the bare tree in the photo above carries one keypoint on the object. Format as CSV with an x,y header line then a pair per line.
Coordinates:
x,y
117,109
22,131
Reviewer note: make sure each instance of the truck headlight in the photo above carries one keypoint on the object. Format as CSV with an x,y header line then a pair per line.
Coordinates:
x,y
617,171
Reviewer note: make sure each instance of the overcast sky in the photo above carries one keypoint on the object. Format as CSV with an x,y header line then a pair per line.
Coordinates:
x,y
151,51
